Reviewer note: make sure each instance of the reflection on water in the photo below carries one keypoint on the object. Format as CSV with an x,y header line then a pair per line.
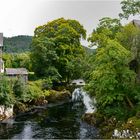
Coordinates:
x,y
61,121
26,133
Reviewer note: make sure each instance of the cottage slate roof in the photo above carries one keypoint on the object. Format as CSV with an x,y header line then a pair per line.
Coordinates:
x,y
16,71
78,82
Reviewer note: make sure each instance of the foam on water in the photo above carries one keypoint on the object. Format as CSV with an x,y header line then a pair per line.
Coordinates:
x,y
80,95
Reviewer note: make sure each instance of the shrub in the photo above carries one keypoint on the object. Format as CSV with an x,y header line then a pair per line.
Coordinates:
x,y
6,93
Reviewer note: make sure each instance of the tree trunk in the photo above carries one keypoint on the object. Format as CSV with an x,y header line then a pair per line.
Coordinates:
x,y
138,73
129,102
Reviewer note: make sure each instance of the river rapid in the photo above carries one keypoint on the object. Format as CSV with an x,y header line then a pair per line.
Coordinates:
x,y
54,122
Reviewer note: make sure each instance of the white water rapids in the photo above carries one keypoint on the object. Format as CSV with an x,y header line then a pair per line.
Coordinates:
x,y
80,95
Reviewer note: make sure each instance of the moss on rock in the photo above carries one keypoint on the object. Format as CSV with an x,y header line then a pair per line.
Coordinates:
x,y
57,96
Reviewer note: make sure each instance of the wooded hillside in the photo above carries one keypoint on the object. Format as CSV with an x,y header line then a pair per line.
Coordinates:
x,y
17,44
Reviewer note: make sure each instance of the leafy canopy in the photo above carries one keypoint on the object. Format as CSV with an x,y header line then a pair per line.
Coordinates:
x,y
111,80
55,45
106,29
6,91
129,8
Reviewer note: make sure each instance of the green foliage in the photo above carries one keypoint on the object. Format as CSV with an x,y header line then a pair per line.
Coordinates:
x,y
106,29
34,90
17,91
17,60
109,23
121,113
6,93
130,8
88,64
111,80
55,46
17,44
20,89
129,37
137,97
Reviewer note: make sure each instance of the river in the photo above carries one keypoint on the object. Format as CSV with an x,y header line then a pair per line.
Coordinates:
x,y
55,122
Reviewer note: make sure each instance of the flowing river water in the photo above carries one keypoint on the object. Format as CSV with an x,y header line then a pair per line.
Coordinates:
x,y
55,122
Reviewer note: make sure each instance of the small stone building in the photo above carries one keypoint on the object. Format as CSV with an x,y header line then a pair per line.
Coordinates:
x,y
16,72
78,82
11,72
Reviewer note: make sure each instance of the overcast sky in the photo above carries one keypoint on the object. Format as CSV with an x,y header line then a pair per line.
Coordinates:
x,y
20,17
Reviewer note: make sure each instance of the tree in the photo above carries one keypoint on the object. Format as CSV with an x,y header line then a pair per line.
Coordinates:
x,y
6,93
112,81
109,23
17,60
55,45
107,29
17,44
20,89
129,8
129,37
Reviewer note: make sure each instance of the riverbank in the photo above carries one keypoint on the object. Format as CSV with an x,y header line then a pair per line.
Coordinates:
x,y
32,106
107,127
113,128
59,120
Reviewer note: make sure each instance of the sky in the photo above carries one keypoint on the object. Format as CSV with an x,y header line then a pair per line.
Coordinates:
x,y
21,17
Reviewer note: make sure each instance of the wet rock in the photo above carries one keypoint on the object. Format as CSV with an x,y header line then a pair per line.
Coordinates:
x,y
20,108
57,96
105,125
93,118
5,112
129,129
40,101
132,124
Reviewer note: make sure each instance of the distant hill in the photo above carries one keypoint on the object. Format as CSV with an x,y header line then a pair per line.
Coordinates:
x,y
17,44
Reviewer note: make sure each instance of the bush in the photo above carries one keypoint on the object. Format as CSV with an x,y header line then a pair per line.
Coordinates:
x,y
34,90
6,93
111,81
20,89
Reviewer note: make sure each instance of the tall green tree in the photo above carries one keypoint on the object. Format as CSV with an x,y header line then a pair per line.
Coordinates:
x,y
107,29
129,37
129,8
112,81
55,45
20,89
17,60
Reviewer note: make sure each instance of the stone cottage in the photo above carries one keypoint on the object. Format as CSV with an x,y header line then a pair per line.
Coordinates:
x,y
11,72
16,72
